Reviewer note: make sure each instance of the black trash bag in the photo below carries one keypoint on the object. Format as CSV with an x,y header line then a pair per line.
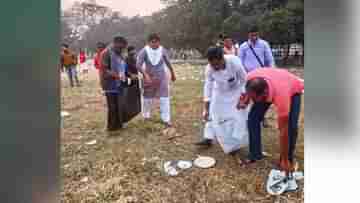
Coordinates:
x,y
130,101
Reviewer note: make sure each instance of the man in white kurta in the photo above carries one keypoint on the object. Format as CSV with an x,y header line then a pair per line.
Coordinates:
x,y
224,83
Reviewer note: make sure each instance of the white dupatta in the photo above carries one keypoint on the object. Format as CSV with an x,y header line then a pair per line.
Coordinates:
x,y
154,55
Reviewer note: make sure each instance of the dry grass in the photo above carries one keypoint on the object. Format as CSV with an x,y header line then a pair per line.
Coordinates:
x,y
127,167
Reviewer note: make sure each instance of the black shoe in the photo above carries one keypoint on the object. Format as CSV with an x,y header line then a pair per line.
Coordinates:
x,y
204,142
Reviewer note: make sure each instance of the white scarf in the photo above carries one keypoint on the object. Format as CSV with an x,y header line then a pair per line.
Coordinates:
x,y
154,55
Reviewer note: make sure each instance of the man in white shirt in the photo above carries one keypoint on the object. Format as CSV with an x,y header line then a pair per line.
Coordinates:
x,y
224,83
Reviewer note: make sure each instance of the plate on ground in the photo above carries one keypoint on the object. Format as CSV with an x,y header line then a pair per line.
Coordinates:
x,y
204,162
184,164
91,142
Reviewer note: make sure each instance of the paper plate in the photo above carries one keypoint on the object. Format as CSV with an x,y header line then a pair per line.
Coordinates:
x,y
204,162
91,142
184,164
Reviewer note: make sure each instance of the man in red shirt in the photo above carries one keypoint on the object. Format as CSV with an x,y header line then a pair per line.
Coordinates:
x,y
97,60
268,86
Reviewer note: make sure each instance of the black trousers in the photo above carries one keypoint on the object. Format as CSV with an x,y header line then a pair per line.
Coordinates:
x,y
114,115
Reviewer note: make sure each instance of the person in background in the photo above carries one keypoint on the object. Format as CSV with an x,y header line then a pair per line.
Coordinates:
x,y
156,82
82,61
220,41
256,53
100,47
229,47
113,69
279,87
69,61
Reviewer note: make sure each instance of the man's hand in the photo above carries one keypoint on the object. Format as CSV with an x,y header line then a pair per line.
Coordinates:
x,y
241,105
243,101
206,115
173,77
147,78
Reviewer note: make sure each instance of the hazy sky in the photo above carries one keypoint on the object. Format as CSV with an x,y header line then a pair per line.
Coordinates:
x,y
126,7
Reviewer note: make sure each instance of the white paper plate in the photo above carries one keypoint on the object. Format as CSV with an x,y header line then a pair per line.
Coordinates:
x,y
204,162
184,164
91,142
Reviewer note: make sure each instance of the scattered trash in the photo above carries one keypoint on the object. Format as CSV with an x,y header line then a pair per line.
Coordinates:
x,y
298,175
176,136
279,183
91,142
170,168
204,162
266,154
85,179
184,164
173,168
65,114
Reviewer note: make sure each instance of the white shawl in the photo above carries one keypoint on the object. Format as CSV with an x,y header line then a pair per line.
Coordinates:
x,y
154,55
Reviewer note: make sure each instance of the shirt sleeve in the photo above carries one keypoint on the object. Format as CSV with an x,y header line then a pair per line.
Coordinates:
x,y
240,70
140,59
242,55
269,58
166,55
208,86
105,60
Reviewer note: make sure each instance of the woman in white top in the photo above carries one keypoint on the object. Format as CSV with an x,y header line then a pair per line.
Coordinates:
x,y
224,84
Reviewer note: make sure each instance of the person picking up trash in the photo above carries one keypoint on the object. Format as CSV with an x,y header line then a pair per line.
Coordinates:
x,y
224,84
279,87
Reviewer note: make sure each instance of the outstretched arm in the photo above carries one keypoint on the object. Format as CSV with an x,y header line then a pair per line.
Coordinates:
x,y
208,89
139,65
168,64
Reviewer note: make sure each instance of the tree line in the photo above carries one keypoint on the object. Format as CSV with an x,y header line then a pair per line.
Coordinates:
x,y
187,24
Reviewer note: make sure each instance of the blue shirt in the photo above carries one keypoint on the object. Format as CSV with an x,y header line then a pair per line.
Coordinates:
x,y
118,65
262,50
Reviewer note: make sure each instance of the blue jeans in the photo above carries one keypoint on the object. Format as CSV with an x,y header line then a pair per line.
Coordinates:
x,y
72,74
256,116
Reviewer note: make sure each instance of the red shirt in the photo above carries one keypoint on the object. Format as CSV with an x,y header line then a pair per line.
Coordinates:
x,y
82,57
282,86
97,60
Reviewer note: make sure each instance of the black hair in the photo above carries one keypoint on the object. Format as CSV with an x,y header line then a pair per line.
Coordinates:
x,y
153,36
226,37
119,39
257,85
65,45
253,28
215,53
131,48
100,45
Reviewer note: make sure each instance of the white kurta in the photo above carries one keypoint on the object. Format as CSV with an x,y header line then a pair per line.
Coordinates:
x,y
223,89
